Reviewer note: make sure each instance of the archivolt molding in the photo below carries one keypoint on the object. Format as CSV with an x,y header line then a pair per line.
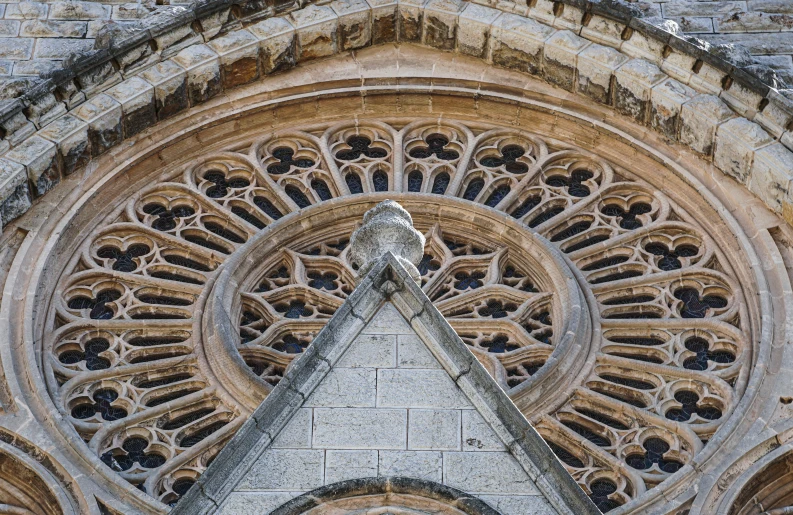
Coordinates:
x,y
658,79
128,366
32,484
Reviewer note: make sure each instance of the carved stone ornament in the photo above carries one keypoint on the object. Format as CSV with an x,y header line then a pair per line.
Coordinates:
x,y
387,227
621,315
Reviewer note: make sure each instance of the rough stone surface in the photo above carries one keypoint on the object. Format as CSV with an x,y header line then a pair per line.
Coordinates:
x,y
39,157
699,119
736,143
668,99
634,82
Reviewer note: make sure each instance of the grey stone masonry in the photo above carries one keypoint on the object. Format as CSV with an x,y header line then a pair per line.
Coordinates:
x,y
181,57
764,27
390,392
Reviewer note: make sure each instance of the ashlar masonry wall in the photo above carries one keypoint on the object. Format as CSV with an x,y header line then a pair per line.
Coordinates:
x,y
387,408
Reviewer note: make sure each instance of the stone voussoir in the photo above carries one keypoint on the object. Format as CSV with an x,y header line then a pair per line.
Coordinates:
x,y
506,35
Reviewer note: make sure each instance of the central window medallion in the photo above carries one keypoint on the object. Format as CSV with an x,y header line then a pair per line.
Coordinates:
x,y
510,297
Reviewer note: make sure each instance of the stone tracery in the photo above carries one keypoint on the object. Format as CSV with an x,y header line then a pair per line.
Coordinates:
x,y
670,361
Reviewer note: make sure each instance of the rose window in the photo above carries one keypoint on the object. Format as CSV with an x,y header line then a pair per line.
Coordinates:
x,y
599,304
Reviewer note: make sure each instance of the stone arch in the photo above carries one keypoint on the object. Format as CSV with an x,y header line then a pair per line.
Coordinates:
x,y
28,488
609,53
404,495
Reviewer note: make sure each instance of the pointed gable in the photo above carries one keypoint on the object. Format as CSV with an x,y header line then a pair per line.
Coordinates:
x,y
386,392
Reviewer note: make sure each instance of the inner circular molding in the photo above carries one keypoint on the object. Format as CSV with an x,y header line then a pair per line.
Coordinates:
x,y
506,291
617,317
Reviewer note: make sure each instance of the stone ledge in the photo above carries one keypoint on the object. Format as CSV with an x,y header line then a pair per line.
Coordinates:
x,y
166,76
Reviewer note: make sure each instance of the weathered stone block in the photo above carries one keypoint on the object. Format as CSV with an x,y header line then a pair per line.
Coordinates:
x,y
213,23
743,100
6,66
543,11
239,57
10,28
344,465
53,29
103,115
426,465
708,80
596,67
44,110
16,129
138,57
699,119
254,503
170,88
434,430
517,43
561,58
409,387
370,350
411,15
136,97
285,469
703,8
519,504
277,43
744,21
355,26
771,178
70,135
569,18
26,10
604,31
736,143
776,116
316,27
345,388
70,95
203,72
644,47
14,192
679,66
130,11
98,78
473,30
771,6
486,472
412,353
667,99
384,21
35,68
360,428
60,48
633,84
297,432
170,42
478,435
440,23
388,321
74,10
40,159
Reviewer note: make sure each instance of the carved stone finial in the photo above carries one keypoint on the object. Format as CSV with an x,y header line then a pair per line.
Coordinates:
x,y
387,227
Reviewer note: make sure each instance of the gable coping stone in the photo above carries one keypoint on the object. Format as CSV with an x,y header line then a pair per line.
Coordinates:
x,y
387,281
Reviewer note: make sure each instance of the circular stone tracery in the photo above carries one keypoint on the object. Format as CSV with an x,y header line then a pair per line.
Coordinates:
x,y
625,394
